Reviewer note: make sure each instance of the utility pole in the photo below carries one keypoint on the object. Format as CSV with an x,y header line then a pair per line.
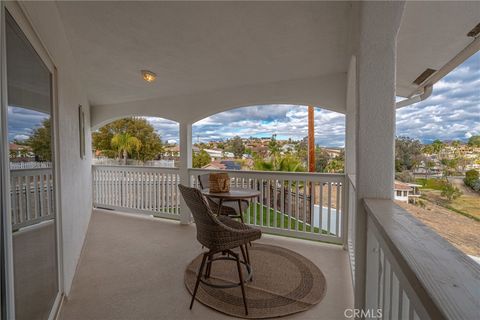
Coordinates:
x,y
311,139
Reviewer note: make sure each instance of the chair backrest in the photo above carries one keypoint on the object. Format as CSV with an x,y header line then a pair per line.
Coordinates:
x,y
206,222
203,180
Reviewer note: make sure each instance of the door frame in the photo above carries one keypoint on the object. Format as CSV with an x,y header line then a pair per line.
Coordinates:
x,y
16,10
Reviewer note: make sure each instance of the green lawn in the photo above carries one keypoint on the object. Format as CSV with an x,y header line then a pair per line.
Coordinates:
x,y
431,183
270,218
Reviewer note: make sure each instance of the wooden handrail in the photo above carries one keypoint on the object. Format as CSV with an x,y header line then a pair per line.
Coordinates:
x,y
445,280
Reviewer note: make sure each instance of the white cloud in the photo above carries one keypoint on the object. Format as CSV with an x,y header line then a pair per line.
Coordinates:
x,y
21,137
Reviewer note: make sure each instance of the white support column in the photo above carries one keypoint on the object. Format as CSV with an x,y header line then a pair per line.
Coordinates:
x,y
185,164
350,118
375,118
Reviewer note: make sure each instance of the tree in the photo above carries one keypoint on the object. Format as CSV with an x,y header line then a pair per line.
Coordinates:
x,y
125,144
472,178
40,141
428,149
137,127
474,141
437,146
449,166
237,146
450,192
334,166
288,163
407,153
274,147
200,159
321,159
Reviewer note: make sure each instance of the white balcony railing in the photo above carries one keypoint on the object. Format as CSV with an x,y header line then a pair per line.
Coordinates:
x,y
303,205
31,196
149,190
412,272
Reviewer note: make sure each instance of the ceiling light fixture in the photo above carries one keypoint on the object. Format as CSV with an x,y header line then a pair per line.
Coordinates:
x,y
148,76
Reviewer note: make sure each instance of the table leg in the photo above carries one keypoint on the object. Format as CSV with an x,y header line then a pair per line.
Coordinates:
x,y
220,203
240,210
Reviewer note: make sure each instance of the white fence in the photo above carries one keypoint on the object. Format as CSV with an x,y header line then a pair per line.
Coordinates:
x,y
30,165
32,196
149,190
164,163
302,205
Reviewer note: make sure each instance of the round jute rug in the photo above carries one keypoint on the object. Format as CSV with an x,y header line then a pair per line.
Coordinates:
x,y
284,282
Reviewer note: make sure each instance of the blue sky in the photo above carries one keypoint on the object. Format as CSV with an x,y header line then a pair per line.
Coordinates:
x,y
452,112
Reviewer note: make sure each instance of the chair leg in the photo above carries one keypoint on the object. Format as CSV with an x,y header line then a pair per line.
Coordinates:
x,y
248,254
245,259
209,266
240,276
200,271
248,259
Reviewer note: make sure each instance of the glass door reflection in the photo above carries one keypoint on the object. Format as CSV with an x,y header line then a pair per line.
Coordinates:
x,y
32,187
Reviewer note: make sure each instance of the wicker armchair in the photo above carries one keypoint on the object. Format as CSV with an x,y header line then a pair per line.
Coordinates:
x,y
234,209
220,235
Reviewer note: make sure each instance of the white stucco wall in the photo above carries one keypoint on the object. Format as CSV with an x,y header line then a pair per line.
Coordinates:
x,y
75,173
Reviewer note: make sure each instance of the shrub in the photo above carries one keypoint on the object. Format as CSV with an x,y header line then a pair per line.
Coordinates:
x,y
421,203
450,192
471,176
476,185
405,176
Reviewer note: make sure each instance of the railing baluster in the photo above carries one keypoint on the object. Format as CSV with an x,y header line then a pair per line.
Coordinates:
x,y
49,195
304,205
337,210
13,188
255,203
312,206
297,204
282,204
35,196
275,199
329,217
268,196
27,198
262,207
289,204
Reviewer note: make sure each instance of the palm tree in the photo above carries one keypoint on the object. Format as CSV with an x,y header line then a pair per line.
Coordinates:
x,y
287,163
124,143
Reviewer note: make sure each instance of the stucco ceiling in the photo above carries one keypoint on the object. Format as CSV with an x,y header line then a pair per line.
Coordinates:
x,y
203,46
196,47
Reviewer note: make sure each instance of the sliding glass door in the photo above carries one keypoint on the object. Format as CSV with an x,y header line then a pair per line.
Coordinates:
x,y
32,185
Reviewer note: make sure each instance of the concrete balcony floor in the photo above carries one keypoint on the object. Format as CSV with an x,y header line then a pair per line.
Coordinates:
x,y
132,267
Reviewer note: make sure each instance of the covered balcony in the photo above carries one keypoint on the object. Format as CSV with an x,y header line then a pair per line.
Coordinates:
x,y
113,242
